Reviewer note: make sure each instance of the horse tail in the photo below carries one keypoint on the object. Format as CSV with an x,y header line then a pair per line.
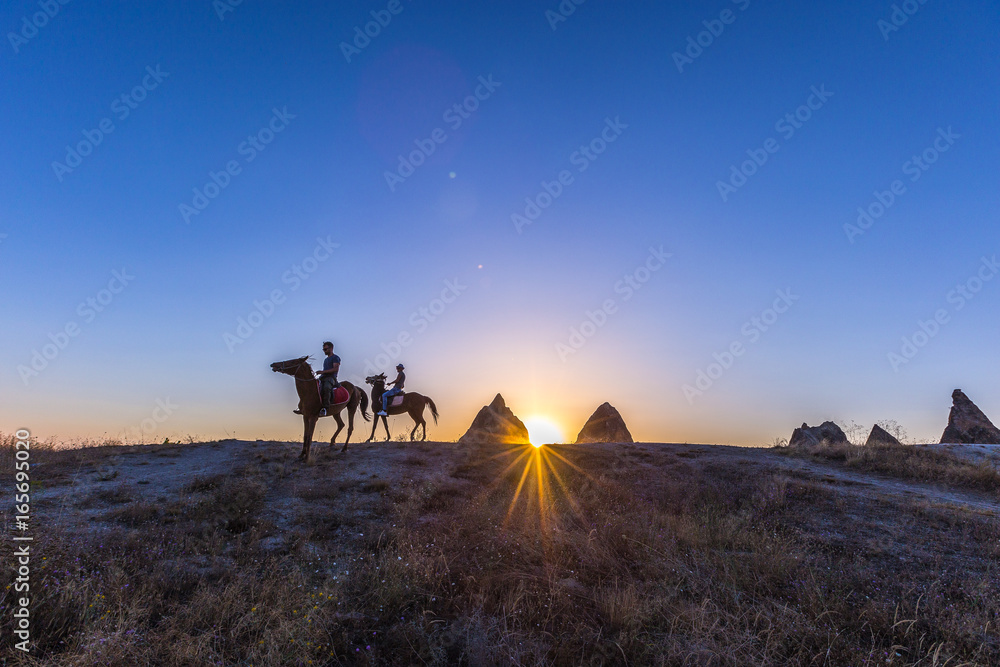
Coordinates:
x,y
434,410
364,404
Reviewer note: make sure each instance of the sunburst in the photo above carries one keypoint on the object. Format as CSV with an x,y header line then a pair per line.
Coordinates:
x,y
543,431
540,480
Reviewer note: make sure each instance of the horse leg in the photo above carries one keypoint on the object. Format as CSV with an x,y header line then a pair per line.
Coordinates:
x,y
309,426
374,426
385,423
416,422
340,427
350,426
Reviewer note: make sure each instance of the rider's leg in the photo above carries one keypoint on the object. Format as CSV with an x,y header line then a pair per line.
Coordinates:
x,y
326,392
386,396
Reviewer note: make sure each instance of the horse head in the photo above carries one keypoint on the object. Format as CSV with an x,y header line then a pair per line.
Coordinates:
x,y
289,367
376,379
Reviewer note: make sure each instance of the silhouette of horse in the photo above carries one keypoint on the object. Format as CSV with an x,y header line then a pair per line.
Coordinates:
x,y
413,404
310,402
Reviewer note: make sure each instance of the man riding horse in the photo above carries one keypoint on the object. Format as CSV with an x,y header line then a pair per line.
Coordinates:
x,y
328,377
397,389
412,404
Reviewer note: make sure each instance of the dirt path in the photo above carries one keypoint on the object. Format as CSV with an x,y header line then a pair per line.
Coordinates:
x,y
854,481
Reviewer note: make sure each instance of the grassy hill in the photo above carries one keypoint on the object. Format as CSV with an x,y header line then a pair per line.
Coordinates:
x,y
233,553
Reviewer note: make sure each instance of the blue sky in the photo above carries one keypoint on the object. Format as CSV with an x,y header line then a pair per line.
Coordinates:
x,y
225,83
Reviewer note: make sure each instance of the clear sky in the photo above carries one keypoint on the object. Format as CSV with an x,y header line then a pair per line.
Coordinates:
x,y
564,203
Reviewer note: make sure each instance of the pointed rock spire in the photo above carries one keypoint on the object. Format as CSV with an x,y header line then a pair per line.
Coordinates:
x,y
967,423
605,425
496,424
879,436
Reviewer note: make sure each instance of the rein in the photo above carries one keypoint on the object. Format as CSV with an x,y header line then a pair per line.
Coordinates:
x,y
298,379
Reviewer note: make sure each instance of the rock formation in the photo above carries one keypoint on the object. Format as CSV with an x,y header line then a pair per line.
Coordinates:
x,y
808,436
879,436
496,424
605,425
967,423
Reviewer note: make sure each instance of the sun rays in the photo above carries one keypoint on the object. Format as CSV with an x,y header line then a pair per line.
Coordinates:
x,y
542,487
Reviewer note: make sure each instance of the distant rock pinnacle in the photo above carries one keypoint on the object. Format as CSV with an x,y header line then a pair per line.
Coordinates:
x,y
605,425
967,423
496,424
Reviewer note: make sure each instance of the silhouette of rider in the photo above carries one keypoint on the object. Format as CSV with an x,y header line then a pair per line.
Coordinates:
x,y
328,377
397,388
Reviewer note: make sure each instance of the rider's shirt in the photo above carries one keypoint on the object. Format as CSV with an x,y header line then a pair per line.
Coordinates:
x,y
328,365
400,379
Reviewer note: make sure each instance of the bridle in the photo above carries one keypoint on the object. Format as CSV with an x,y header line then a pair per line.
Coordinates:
x,y
298,379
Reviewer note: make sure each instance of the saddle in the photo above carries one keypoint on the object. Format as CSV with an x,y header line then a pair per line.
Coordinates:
x,y
396,400
340,394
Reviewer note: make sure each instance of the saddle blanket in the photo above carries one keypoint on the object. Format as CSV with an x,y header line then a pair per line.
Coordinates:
x,y
396,401
340,394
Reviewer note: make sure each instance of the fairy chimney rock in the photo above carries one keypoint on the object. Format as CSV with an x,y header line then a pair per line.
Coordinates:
x,y
879,436
967,424
827,432
496,424
605,425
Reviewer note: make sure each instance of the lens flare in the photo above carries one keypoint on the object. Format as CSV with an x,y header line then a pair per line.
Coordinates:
x,y
543,431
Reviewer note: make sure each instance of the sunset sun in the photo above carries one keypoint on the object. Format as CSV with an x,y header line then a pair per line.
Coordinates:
x,y
543,431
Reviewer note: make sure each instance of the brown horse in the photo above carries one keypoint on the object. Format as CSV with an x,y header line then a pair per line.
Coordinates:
x,y
310,402
413,404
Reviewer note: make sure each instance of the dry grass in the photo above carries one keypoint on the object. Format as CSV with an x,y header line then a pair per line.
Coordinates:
x,y
909,462
610,556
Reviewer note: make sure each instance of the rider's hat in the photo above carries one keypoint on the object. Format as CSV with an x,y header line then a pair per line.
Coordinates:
x,y
399,366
